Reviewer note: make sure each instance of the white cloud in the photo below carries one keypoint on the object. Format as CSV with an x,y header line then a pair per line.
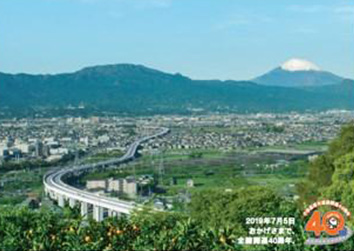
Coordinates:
x,y
345,10
345,13
136,3
242,20
339,11
310,9
151,3
115,14
305,31
234,21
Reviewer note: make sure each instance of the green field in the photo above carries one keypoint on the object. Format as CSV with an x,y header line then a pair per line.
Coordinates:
x,y
103,156
212,169
25,178
22,184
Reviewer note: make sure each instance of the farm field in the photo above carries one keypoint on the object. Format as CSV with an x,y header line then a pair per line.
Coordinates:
x,y
214,170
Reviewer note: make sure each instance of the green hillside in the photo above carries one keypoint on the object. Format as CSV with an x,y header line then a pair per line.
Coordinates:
x,y
135,89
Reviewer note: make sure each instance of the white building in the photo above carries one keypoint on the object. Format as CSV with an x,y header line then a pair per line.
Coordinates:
x,y
59,151
96,184
130,186
23,147
127,185
113,185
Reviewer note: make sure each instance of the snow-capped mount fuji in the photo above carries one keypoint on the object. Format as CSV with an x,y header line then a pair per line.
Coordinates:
x,y
296,64
298,73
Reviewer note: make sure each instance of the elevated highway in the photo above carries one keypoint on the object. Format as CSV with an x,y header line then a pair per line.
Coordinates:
x,y
100,206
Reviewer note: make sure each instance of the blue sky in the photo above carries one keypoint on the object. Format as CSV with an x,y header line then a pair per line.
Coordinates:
x,y
203,39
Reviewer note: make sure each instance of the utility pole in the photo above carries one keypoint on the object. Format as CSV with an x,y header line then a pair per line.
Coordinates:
x,y
161,168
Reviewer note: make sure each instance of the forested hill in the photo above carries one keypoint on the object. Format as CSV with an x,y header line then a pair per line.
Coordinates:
x,y
135,89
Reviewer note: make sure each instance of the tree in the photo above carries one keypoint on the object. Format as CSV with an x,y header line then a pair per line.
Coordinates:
x,y
342,187
322,169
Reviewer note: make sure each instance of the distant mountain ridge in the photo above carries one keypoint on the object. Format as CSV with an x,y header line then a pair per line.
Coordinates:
x,y
138,90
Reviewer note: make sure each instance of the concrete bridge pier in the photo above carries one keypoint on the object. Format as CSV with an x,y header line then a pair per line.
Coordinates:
x,y
51,195
84,210
98,213
72,202
46,191
112,213
61,200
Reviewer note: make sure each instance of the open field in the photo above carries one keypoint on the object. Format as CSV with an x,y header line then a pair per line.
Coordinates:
x,y
214,170
101,156
17,185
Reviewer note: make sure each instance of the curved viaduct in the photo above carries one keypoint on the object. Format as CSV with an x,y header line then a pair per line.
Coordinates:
x,y
100,206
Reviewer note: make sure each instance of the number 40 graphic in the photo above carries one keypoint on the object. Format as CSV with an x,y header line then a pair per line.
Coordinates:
x,y
331,223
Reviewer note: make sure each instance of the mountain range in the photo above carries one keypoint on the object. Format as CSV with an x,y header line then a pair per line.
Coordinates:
x,y
138,90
